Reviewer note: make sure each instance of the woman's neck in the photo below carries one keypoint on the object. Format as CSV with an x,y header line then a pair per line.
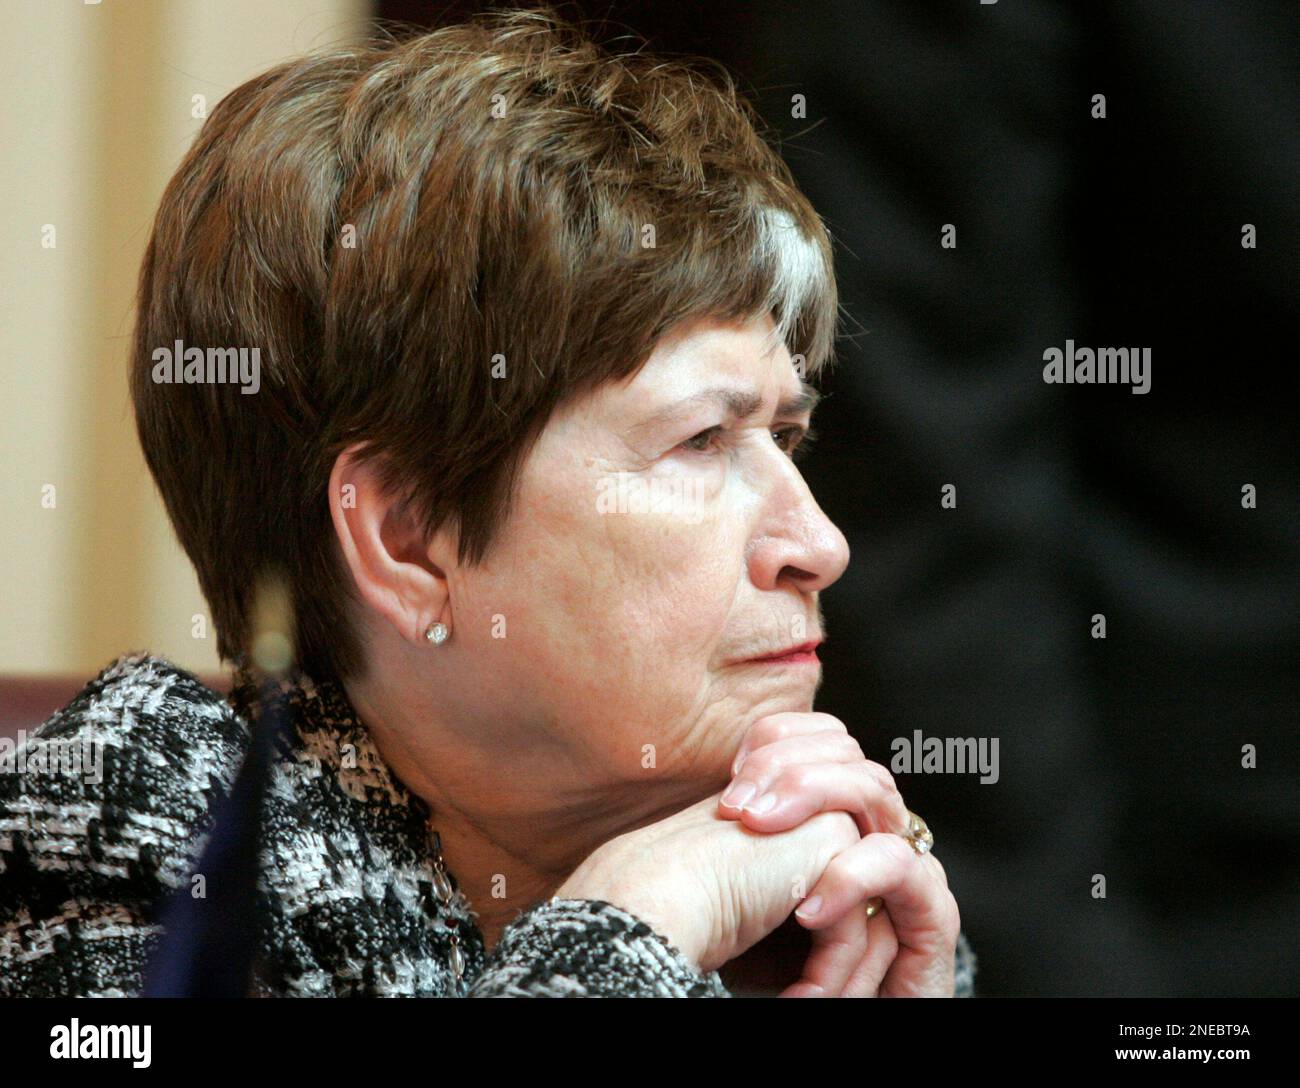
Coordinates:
x,y
514,821
496,882
516,815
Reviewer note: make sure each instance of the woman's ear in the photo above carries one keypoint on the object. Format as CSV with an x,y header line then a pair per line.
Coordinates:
x,y
384,548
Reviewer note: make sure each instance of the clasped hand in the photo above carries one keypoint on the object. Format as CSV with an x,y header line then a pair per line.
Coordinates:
x,y
793,765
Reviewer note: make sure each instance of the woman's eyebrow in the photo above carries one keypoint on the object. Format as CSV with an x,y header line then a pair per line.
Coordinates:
x,y
738,404
805,401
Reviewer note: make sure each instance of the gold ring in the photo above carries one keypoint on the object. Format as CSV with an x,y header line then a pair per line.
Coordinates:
x,y
920,839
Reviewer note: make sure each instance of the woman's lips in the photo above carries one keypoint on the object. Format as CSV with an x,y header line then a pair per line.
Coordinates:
x,y
802,655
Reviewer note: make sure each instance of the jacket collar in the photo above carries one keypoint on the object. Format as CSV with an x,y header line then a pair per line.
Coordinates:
x,y
351,840
329,733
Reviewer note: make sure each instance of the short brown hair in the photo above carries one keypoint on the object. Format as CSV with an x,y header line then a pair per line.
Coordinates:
x,y
383,222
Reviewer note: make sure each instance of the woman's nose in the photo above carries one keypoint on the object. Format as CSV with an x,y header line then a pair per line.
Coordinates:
x,y
796,540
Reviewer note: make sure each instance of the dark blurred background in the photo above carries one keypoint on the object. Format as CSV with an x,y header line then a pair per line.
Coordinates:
x,y
1122,756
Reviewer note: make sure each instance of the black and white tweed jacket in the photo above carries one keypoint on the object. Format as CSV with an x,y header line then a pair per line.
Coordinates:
x,y
345,901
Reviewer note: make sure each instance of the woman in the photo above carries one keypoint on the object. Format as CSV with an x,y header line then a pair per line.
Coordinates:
x,y
532,328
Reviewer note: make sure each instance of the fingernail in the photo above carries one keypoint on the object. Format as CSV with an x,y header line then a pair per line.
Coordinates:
x,y
739,793
740,762
810,907
762,805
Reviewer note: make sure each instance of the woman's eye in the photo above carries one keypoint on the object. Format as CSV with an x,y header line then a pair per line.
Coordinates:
x,y
702,442
796,441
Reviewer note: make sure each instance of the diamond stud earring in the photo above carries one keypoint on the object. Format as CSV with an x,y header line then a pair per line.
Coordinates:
x,y
437,633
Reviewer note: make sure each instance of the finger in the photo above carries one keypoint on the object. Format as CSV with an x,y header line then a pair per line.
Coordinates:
x,y
836,953
873,968
785,723
864,790
808,747
763,765
921,909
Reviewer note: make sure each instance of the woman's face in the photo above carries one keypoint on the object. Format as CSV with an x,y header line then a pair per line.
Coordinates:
x,y
645,561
